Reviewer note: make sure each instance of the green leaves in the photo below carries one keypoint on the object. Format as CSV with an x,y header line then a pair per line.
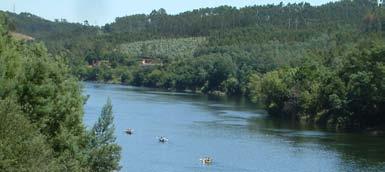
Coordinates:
x,y
41,108
22,147
104,128
348,97
104,153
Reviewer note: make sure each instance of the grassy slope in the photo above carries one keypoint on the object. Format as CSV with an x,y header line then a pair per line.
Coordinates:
x,y
19,36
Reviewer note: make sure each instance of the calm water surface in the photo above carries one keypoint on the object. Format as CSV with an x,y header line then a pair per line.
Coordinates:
x,y
238,136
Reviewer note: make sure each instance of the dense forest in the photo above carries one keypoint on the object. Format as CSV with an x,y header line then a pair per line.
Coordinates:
x,y
41,111
320,65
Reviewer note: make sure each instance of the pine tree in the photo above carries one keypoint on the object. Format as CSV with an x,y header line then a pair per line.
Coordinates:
x,y
104,152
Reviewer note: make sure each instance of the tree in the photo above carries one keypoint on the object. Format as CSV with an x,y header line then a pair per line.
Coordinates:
x,y
104,152
22,148
42,110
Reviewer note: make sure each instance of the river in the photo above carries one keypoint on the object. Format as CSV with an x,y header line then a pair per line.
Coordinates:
x,y
239,137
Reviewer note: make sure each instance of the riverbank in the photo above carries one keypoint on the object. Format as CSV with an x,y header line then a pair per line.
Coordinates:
x,y
375,131
225,129
212,93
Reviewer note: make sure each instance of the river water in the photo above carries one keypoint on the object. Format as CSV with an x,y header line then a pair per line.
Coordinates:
x,y
238,136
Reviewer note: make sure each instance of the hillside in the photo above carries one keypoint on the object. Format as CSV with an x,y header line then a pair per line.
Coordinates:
x,y
202,22
41,28
257,38
295,58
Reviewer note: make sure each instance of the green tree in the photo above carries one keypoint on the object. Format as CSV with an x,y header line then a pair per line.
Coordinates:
x,y
22,147
41,107
104,152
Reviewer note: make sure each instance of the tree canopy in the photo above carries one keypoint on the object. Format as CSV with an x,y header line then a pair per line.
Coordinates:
x,y
41,107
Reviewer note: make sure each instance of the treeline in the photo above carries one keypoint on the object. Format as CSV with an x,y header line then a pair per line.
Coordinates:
x,y
340,90
202,22
272,53
41,111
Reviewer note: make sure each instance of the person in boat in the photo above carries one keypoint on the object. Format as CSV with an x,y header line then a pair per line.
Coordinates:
x,y
129,131
163,139
206,160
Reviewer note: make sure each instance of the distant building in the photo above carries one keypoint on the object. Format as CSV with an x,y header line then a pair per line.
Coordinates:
x,y
100,62
147,61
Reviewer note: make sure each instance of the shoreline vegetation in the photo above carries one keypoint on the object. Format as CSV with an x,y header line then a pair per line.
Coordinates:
x,y
321,65
41,111
374,131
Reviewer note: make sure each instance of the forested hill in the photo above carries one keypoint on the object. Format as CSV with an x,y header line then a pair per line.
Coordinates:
x,y
202,22
268,22
319,64
41,28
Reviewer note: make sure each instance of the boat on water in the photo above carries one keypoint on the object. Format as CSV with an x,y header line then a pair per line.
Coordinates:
x,y
129,131
206,160
162,139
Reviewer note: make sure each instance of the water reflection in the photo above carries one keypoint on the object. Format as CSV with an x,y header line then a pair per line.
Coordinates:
x,y
361,151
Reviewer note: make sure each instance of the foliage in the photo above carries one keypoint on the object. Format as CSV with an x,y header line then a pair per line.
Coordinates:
x,y
48,98
41,107
167,49
348,97
22,147
104,152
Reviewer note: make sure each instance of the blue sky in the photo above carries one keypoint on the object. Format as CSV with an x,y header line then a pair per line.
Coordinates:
x,y
104,11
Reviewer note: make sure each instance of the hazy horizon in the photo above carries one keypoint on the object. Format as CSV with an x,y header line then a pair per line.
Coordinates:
x,y
100,12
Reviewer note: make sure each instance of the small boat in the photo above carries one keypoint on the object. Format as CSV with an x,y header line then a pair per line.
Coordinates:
x,y
206,160
162,139
129,131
